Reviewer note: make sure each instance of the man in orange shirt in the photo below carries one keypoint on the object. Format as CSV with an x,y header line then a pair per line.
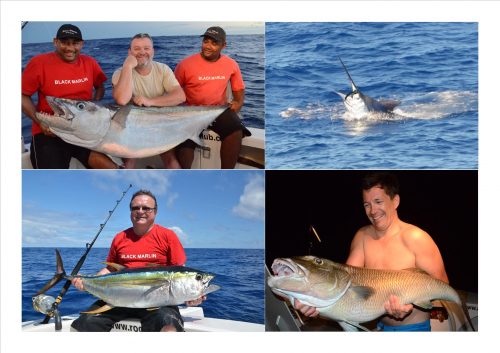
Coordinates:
x,y
205,77
63,73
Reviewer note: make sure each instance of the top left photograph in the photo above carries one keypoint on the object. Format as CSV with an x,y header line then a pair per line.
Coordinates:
x,y
143,95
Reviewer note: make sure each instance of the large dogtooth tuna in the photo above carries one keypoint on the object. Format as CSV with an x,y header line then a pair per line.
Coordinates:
x,y
128,131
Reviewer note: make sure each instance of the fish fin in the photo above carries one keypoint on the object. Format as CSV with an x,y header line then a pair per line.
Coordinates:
x,y
363,292
152,289
353,85
342,95
153,309
150,264
351,326
59,275
389,104
427,305
120,116
102,309
196,139
116,266
416,270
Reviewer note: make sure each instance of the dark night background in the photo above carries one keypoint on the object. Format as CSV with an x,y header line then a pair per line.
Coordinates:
x,y
442,203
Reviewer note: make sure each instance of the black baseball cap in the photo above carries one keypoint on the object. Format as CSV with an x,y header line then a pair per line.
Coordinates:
x,y
68,31
216,33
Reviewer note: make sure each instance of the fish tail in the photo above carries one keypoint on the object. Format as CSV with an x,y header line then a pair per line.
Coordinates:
x,y
59,275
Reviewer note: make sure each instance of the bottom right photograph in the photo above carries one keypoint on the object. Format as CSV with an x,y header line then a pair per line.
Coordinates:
x,y
371,250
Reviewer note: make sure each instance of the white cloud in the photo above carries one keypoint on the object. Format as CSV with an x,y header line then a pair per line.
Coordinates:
x,y
157,181
172,196
183,237
252,200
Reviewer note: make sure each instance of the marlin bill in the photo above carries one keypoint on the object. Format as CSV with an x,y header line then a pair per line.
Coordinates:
x,y
359,105
353,295
128,131
145,287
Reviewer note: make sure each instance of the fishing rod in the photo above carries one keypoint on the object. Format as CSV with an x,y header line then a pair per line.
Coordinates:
x,y
53,311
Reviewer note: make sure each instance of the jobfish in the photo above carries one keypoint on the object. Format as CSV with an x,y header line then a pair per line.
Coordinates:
x,y
353,295
128,131
145,287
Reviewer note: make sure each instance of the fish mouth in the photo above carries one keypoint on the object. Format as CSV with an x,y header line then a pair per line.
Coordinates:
x,y
287,268
60,110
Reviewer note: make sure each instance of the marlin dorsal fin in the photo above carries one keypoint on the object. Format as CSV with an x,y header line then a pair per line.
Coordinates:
x,y
353,85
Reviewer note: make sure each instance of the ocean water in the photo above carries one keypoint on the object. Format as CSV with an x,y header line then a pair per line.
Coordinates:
x,y
431,68
247,50
239,272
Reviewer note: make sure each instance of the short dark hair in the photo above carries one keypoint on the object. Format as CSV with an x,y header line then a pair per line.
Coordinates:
x,y
387,181
141,35
144,192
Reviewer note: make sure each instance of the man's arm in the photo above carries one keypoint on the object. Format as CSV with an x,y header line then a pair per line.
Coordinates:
x,y
175,97
427,254
99,92
238,100
122,89
427,258
77,282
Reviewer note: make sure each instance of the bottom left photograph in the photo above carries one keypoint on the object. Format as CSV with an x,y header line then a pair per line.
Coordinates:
x,y
143,250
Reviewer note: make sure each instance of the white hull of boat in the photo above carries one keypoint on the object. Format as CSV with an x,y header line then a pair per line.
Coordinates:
x,y
194,321
252,155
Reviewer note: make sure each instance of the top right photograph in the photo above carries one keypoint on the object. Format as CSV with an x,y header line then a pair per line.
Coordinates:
x,y
371,95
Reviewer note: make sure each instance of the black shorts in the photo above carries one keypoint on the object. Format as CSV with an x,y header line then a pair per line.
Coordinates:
x,y
151,320
47,152
225,124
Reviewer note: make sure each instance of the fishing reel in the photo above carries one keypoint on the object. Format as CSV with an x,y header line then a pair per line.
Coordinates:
x,y
45,304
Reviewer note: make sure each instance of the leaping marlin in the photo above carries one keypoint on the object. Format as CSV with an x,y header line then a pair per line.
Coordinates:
x,y
360,105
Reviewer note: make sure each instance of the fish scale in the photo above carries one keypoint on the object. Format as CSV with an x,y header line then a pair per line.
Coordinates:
x,y
129,131
145,287
353,294
411,286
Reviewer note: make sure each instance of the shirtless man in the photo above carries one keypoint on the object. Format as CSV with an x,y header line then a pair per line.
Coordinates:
x,y
391,244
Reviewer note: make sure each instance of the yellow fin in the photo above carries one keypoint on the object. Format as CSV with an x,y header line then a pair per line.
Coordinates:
x,y
117,267
99,310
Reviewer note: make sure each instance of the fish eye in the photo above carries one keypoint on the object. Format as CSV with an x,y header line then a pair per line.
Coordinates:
x,y
198,277
80,105
318,261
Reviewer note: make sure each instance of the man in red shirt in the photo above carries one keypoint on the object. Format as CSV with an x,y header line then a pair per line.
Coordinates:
x,y
64,73
143,244
205,77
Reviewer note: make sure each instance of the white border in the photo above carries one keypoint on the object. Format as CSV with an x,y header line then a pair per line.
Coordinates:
x,y
12,13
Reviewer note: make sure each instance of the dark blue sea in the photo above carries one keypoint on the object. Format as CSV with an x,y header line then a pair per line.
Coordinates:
x,y
432,68
239,272
247,50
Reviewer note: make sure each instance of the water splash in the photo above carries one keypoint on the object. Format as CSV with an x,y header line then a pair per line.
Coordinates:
x,y
433,105
438,105
312,111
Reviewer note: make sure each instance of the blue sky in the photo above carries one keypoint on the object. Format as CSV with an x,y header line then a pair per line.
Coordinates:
x,y
42,32
207,209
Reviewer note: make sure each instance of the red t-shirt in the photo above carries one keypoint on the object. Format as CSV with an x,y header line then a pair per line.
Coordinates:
x,y
49,75
205,82
159,246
